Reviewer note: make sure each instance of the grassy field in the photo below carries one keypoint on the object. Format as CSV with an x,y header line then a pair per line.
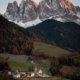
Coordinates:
x,y
2,59
70,70
43,62
17,65
20,66
24,66
4,77
77,57
50,49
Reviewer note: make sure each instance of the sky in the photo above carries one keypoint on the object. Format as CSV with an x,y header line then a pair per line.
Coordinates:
x,y
4,3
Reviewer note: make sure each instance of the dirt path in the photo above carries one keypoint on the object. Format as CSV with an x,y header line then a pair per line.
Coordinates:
x,y
34,63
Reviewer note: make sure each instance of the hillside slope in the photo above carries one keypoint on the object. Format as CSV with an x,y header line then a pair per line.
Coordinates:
x,y
66,35
50,49
14,39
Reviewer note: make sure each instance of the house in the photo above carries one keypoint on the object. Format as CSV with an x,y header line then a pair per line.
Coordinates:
x,y
37,72
22,73
16,75
9,73
30,74
40,72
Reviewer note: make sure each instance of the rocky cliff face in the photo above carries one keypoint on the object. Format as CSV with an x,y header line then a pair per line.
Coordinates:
x,y
62,9
66,4
49,8
12,11
28,10
25,12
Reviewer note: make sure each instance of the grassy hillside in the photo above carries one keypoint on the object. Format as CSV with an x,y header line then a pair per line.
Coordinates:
x,y
24,66
77,57
18,65
50,49
70,70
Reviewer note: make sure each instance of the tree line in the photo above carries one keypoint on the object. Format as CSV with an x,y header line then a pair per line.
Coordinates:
x,y
64,60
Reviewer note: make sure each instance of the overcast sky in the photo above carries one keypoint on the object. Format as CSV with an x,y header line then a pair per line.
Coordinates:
x,y
4,3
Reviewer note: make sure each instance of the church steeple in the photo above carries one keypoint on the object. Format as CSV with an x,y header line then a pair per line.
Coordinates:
x,y
35,69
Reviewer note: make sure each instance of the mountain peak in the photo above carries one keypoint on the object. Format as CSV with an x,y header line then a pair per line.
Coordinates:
x,y
36,4
66,4
30,0
28,10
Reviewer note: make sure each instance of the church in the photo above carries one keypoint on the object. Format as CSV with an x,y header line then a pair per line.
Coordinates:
x,y
37,72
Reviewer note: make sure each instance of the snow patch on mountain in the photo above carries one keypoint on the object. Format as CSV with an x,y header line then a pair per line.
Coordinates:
x,y
59,19
78,14
29,23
